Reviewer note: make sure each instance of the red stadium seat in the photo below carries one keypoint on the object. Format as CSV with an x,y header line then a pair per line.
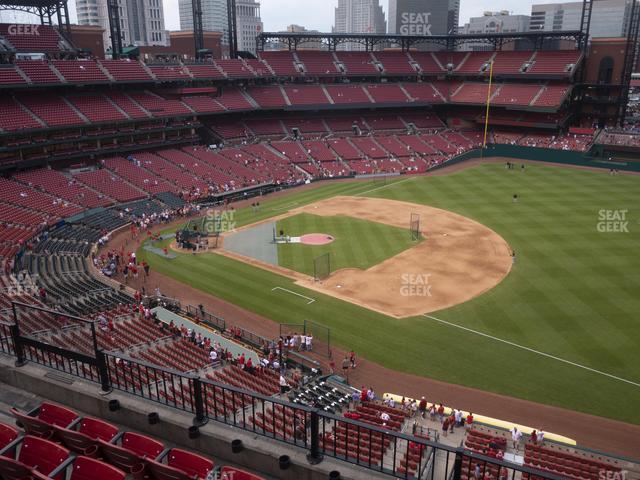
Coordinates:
x,y
84,440
97,429
76,442
35,454
122,458
33,425
181,465
7,435
142,445
85,468
56,415
48,415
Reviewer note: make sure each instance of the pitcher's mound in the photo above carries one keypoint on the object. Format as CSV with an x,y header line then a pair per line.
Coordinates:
x,y
316,239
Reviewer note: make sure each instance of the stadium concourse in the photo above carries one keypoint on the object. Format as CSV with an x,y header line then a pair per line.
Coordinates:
x,y
95,151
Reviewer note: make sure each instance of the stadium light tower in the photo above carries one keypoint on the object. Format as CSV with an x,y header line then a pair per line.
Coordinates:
x,y
45,10
113,12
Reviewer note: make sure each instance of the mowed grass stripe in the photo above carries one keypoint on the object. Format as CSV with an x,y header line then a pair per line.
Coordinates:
x,y
357,243
572,293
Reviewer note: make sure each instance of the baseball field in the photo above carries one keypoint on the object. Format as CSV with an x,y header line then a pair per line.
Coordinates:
x,y
560,326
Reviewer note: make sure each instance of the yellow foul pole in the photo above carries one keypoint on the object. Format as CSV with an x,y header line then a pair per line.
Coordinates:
x,y
486,116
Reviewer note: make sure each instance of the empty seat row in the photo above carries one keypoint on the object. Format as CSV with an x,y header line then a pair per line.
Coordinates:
x,y
58,440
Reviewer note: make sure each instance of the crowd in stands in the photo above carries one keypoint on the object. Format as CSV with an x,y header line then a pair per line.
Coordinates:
x,y
569,141
626,138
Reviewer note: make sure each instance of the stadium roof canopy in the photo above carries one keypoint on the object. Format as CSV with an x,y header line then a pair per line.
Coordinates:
x,y
372,40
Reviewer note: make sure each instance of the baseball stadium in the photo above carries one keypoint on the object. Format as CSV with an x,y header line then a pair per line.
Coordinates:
x,y
357,256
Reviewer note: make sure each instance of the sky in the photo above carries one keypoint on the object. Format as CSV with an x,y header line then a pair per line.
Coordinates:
x,y
318,14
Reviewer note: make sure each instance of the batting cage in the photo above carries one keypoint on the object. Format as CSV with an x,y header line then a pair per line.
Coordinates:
x,y
322,266
414,226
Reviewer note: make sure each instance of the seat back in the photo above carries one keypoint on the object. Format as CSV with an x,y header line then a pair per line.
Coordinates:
x,y
43,455
124,459
7,435
56,415
230,473
160,471
74,441
33,425
142,445
85,468
97,429
192,464
13,470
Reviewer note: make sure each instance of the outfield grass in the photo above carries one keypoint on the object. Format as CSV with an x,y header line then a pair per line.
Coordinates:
x,y
574,292
357,243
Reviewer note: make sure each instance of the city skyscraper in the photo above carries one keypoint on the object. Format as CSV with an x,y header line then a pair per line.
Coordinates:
x,y
141,21
215,19
359,16
248,24
609,18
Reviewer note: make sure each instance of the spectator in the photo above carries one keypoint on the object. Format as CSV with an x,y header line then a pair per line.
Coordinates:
x,y
458,417
371,396
284,386
384,416
469,423
345,368
422,407
249,366
432,412
516,435
363,394
102,322
42,293
445,427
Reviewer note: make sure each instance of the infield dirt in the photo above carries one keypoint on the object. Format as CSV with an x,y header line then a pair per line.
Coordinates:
x,y
458,260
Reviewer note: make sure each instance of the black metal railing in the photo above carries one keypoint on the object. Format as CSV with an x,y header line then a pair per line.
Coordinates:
x,y
210,319
158,384
320,432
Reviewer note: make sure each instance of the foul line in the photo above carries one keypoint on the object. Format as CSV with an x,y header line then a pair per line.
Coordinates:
x,y
393,184
569,362
286,207
311,300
